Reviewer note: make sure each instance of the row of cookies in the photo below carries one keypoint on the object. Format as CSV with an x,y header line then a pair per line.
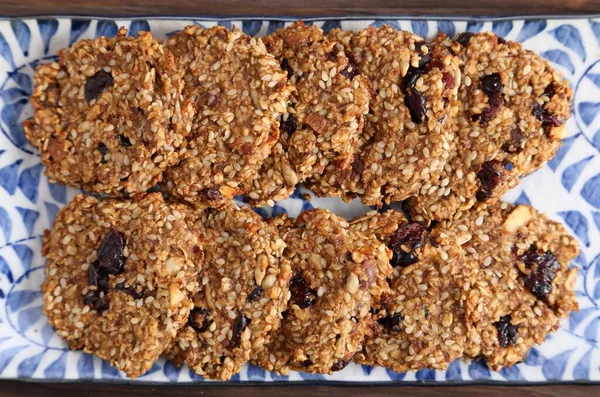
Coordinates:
x,y
131,280
379,114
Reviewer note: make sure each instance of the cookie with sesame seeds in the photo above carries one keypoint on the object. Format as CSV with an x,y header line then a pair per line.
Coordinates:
x,y
238,91
523,285
406,137
324,118
108,115
338,276
513,106
421,322
119,277
244,288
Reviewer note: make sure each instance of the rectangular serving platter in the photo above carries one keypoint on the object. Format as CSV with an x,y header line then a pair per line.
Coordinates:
x,y
567,189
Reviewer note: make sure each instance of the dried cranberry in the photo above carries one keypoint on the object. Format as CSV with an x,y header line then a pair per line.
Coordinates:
x,y
550,90
351,69
501,40
302,294
125,142
515,144
490,176
211,194
241,322
285,65
97,84
545,265
133,290
255,294
110,254
464,38
491,84
93,298
92,276
507,333
434,64
448,80
547,118
358,166
339,365
414,99
200,319
103,150
392,323
404,242
307,362
288,126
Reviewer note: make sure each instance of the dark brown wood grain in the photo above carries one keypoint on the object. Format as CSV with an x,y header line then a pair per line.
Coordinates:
x,y
20,389
302,8
297,8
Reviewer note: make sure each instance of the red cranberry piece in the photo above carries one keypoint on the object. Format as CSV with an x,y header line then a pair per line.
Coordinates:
x,y
491,84
255,294
515,144
302,294
133,290
404,242
110,254
507,333
448,80
550,91
490,176
414,100
211,194
547,119
97,84
339,365
97,300
200,319
545,265
351,69
464,38
288,126
241,322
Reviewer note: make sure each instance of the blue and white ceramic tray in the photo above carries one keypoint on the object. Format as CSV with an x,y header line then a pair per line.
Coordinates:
x,y
567,188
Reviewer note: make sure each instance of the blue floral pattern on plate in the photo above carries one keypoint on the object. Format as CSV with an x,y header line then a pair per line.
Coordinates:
x,y
567,188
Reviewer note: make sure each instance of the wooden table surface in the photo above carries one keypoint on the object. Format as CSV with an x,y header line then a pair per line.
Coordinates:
x,y
298,8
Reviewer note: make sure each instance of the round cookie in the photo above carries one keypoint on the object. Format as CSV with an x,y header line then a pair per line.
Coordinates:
x,y
406,138
338,276
513,106
421,324
238,90
119,277
243,290
325,115
108,116
523,285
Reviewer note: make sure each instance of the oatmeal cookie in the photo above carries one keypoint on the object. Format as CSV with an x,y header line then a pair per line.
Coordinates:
x,y
324,117
421,323
406,137
523,284
238,90
119,277
338,275
243,290
513,106
108,116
